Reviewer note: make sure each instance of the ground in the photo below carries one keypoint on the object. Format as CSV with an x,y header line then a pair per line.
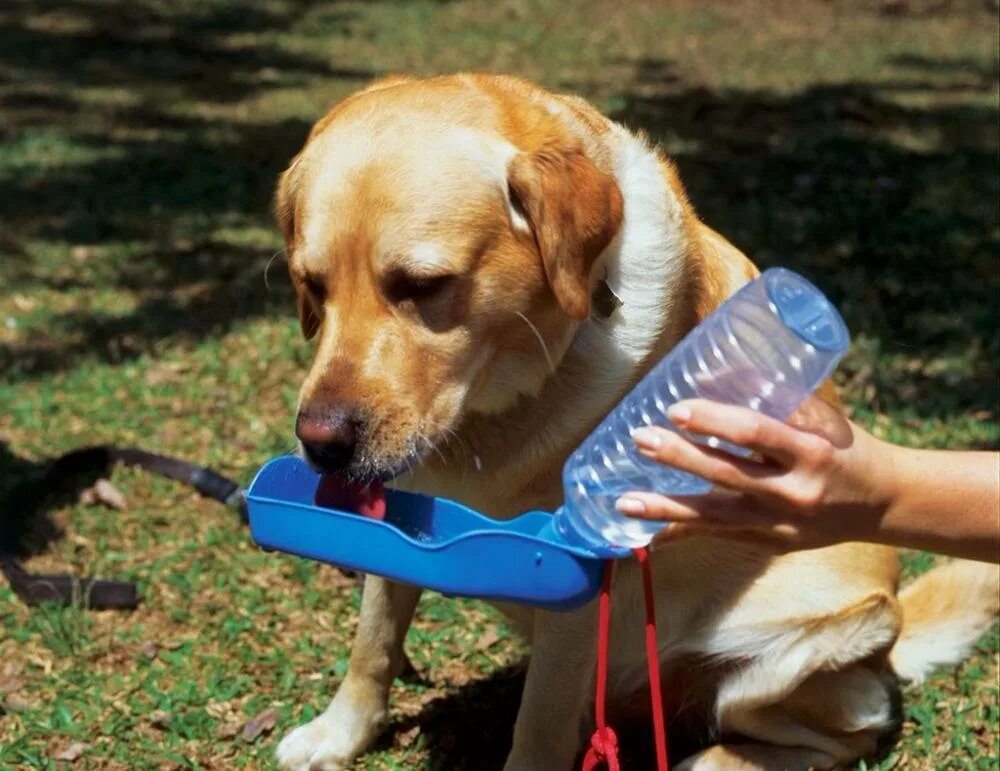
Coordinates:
x,y
139,142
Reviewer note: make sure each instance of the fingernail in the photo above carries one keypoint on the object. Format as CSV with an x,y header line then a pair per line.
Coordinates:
x,y
630,506
679,413
647,438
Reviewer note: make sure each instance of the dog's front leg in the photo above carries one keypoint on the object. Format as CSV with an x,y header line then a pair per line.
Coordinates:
x,y
357,712
556,692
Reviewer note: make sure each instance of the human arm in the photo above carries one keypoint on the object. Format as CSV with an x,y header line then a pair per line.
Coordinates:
x,y
819,481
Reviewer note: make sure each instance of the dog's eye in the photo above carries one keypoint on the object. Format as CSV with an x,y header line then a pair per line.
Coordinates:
x,y
402,286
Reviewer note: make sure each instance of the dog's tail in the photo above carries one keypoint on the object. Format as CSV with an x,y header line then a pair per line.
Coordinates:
x,y
945,612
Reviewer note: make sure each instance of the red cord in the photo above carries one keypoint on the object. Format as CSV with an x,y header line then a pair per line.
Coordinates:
x,y
653,662
604,742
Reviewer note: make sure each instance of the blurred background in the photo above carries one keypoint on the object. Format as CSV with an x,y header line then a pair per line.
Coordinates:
x,y
144,300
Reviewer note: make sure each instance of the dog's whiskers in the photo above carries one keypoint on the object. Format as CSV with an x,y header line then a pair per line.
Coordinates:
x,y
422,437
406,461
541,340
267,267
449,434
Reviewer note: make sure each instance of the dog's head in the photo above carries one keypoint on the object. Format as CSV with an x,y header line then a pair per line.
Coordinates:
x,y
441,237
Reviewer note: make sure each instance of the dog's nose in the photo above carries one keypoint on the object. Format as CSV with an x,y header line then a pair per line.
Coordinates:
x,y
329,439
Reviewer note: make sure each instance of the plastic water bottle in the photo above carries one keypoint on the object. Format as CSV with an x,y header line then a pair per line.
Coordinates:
x,y
767,347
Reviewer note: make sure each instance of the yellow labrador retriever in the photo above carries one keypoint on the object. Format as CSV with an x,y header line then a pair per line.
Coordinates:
x,y
446,238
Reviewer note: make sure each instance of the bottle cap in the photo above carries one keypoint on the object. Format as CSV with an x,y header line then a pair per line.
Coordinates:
x,y
804,310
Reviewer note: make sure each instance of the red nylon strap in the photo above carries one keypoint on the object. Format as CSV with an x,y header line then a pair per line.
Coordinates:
x,y
653,662
604,742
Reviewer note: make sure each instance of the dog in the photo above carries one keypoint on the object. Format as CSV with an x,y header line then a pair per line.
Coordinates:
x,y
454,243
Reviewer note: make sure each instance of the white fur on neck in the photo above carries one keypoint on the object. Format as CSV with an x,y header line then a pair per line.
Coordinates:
x,y
643,264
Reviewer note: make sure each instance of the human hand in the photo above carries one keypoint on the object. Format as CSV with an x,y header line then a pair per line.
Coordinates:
x,y
810,483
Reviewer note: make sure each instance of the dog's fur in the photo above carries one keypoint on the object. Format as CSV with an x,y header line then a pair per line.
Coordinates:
x,y
445,237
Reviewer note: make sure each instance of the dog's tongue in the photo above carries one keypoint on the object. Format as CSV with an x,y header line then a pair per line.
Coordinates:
x,y
364,498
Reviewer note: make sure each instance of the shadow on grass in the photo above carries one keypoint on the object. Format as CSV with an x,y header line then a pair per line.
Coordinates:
x,y
24,527
29,491
188,46
472,728
891,209
141,185
185,291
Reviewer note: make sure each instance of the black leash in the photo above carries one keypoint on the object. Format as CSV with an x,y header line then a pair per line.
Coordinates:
x,y
101,593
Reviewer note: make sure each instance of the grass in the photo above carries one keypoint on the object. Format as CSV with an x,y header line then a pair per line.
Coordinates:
x,y
139,143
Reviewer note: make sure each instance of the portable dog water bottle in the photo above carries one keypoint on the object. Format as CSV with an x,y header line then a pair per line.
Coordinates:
x,y
767,347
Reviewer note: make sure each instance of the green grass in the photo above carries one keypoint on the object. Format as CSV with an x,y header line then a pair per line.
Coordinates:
x,y
139,144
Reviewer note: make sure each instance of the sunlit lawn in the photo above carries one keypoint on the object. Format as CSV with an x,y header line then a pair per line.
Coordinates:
x,y
139,142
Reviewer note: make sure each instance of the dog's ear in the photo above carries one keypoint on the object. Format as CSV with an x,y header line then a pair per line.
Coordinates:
x,y
284,201
284,208
574,210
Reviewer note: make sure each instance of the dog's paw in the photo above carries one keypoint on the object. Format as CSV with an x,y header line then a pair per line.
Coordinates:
x,y
315,746
333,740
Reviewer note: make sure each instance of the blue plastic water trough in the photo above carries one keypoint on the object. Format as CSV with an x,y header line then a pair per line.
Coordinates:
x,y
431,542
